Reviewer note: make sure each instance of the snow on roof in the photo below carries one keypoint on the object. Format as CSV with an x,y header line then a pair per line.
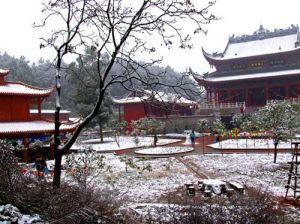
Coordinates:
x,y
18,88
159,96
4,71
254,75
260,47
169,97
32,127
35,111
130,100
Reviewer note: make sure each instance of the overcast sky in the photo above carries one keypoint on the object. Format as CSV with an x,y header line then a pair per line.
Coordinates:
x,y
237,17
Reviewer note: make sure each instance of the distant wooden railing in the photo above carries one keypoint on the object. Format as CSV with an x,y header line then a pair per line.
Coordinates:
x,y
291,100
222,105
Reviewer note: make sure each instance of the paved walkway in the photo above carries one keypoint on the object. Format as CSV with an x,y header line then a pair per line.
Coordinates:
x,y
192,167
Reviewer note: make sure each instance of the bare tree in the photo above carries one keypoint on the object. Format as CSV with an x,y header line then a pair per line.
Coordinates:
x,y
120,31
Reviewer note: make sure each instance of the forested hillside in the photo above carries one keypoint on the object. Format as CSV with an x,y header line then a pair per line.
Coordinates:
x,y
42,74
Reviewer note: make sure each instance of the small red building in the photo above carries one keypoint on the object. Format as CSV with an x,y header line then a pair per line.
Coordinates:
x,y
254,69
153,105
21,114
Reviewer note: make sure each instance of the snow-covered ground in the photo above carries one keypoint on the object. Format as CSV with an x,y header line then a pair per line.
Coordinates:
x,y
253,170
124,143
164,150
249,144
168,174
10,214
256,170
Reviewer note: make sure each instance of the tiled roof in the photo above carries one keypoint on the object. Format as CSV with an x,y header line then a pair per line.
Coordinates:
x,y
4,71
260,47
258,75
262,42
158,96
33,127
18,88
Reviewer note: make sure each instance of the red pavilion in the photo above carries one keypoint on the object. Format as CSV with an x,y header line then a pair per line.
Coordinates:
x,y
153,105
254,69
21,114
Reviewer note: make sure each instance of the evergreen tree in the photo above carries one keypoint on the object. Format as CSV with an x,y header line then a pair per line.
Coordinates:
x,y
280,118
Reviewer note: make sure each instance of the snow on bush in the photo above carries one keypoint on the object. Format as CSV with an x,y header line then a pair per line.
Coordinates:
x,y
11,214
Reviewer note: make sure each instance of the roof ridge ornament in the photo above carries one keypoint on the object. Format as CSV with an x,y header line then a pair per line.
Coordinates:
x,y
263,33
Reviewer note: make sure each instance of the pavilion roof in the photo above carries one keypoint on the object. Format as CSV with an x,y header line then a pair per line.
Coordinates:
x,y
258,75
33,127
4,72
157,96
262,42
19,88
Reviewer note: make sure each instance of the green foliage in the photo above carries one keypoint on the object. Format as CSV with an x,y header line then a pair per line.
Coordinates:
x,y
85,166
202,125
279,117
237,120
10,172
218,126
131,163
149,125
118,128
85,81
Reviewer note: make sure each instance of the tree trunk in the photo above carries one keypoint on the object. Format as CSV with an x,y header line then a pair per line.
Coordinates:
x,y
101,133
275,151
155,140
203,142
57,151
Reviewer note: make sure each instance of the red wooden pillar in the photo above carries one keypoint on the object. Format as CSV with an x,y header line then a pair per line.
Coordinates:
x,y
247,98
286,91
228,100
25,150
40,108
267,94
217,97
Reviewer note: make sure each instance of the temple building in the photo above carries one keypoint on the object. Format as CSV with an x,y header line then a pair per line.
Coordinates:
x,y
254,69
21,114
153,105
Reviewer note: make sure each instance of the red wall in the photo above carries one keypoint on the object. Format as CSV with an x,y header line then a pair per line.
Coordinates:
x,y
133,112
14,108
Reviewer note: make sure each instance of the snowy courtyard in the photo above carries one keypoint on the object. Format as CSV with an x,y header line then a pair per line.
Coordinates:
x,y
169,174
125,142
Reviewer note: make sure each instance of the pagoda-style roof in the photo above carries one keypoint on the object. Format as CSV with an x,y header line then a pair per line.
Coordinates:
x,y
258,75
157,96
33,128
4,72
19,88
262,42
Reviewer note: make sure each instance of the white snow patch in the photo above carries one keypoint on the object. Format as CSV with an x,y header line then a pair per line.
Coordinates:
x,y
249,144
164,150
124,141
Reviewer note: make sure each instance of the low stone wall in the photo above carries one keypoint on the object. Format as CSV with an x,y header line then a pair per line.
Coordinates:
x,y
181,123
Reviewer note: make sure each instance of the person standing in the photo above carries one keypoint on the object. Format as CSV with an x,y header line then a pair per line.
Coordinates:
x,y
193,137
